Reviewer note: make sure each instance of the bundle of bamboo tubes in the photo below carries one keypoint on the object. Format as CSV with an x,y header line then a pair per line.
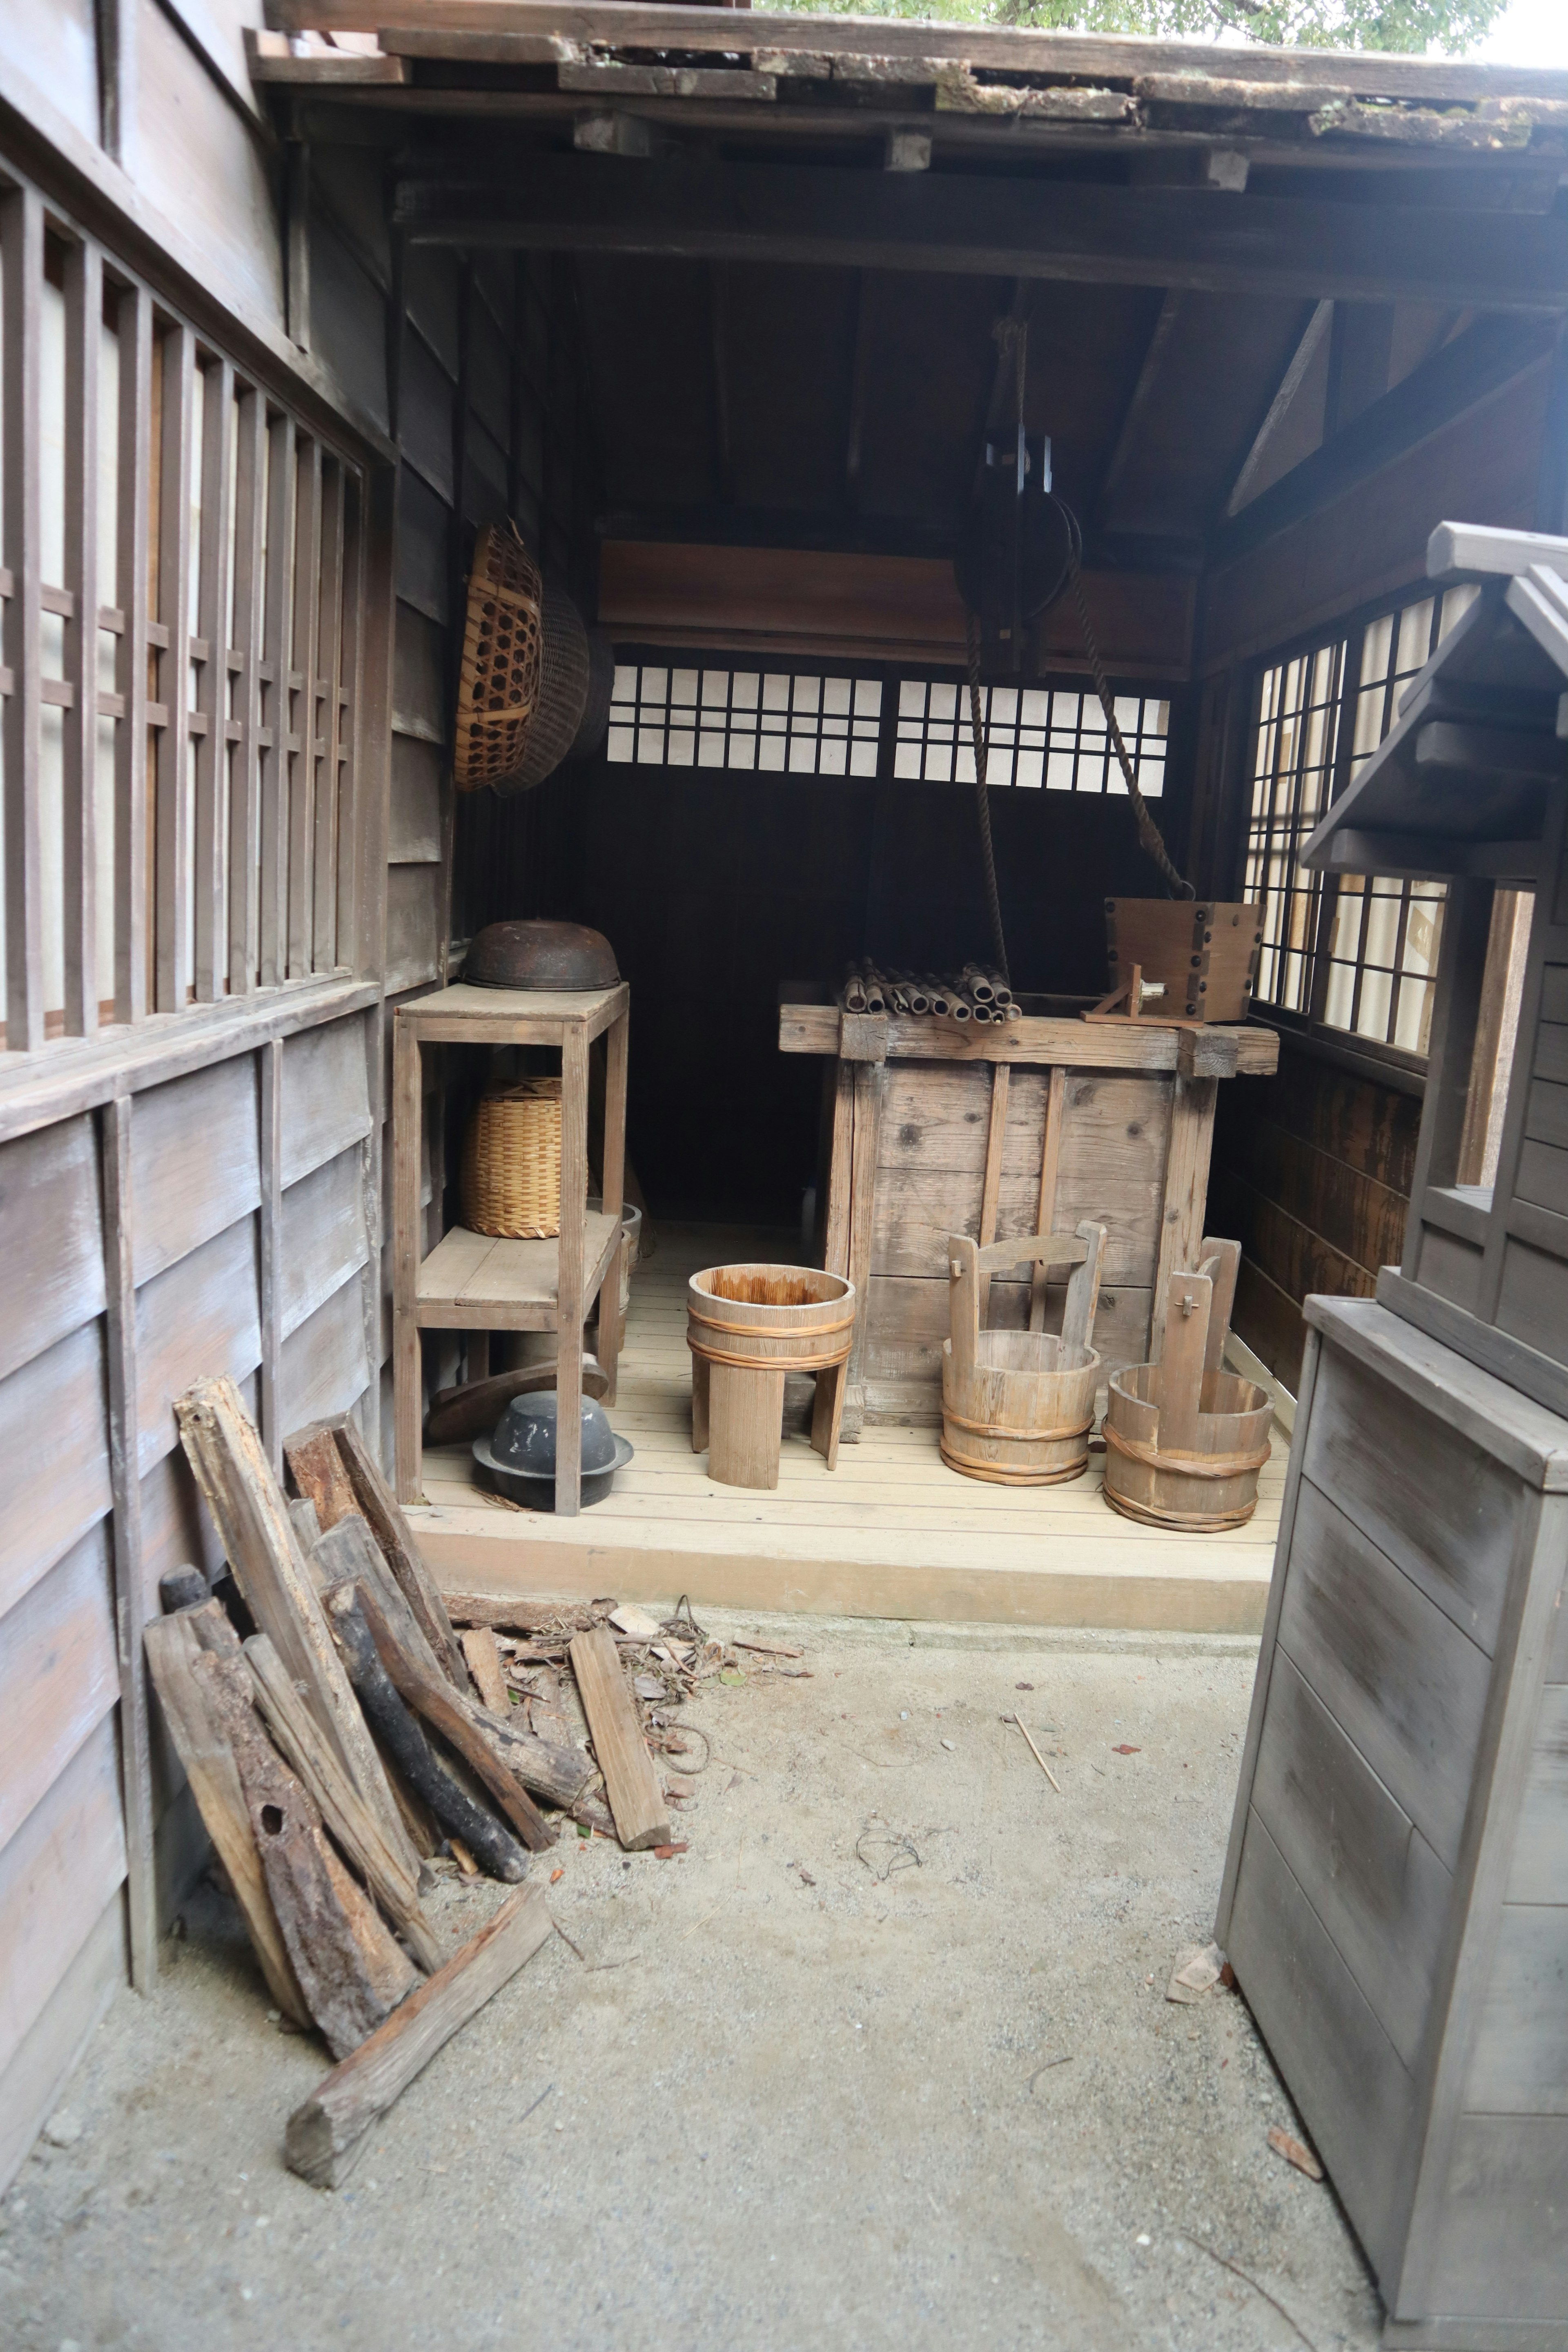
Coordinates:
x,y
978,994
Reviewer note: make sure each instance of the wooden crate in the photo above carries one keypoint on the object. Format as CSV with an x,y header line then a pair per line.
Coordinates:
x,y
1203,951
1016,1129
1395,1899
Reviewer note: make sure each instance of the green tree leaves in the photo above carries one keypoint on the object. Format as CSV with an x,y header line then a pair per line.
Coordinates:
x,y
1447,25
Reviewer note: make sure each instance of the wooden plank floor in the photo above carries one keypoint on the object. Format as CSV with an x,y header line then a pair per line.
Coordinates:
x,y
892,1533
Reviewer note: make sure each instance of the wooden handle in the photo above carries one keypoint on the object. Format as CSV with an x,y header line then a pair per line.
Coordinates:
x,y
1031,1249
1222,1262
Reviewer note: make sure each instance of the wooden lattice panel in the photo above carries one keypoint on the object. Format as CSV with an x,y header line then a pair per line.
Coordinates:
x,y
498,690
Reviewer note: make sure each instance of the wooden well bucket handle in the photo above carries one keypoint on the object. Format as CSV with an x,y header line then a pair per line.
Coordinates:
x,y
967,1263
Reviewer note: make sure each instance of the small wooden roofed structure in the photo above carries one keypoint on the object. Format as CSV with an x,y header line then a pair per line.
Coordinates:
x,y
1471,784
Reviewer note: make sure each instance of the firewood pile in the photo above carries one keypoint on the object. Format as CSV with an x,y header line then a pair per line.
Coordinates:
x,y
342,1741
979,994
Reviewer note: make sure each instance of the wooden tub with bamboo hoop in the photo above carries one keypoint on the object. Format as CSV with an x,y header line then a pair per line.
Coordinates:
x,y
748,1328
1186,1440
1017,1406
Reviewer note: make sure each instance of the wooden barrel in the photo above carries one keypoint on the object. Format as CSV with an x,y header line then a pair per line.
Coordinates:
x,y
1211,1487
747,1327
1021,1413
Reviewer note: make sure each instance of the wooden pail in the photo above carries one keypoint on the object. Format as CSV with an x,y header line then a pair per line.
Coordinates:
x,y
1017,1406
1210,1487
747,1327
1020,1414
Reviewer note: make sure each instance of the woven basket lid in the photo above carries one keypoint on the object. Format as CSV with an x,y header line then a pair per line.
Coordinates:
x,y
540,954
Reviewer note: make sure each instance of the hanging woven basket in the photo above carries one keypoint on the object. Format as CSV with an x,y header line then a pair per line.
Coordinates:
x,y
511,1162
498,683
564,671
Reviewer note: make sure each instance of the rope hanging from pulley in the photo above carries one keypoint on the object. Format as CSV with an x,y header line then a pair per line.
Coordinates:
x,y
1021,550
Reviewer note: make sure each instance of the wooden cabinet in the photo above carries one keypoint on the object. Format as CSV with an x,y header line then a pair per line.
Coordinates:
x,y
471,1282
1396,1900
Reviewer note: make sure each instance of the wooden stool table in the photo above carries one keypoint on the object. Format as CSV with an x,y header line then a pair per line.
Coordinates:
x,y
469,1282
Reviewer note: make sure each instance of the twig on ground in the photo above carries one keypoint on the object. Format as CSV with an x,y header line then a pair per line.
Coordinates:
x,y
1038,1756
1248,2280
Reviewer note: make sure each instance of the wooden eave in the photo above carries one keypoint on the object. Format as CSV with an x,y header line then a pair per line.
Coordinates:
x,y
1462,783
780,75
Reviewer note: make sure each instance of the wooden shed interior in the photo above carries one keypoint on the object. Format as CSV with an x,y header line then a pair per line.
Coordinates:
x,y
721,309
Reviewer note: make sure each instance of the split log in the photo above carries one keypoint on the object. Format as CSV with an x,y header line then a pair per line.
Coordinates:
x,y
326,2132
237,1481
306,1523
320,1474
399,1731
172,1644
489,1747
558,1774
484,1665
637,1801
344,1812
349,1968
379,1507
182,1588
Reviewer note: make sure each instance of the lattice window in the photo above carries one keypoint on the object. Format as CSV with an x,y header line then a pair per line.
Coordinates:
x,y
1292,777
1383,946
181,594
1321,717
1035,737
763,720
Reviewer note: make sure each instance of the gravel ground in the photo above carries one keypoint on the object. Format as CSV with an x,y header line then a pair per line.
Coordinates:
x,y
883,2060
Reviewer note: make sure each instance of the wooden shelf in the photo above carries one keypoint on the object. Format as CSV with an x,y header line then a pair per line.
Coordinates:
x,y
473,1282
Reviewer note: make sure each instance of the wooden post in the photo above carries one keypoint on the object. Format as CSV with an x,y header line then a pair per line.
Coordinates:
x,y
21,528
271,1253
570,1273
870,1084
301,705
212,758
1186,1191
131,1609
835,1209
245,768
172,939
277,655
1050,1160
132,497
991,1186
84,337
407,1113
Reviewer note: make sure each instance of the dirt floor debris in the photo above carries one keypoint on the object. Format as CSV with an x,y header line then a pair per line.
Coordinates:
x,y
1294,2151
347,1747
1195,1974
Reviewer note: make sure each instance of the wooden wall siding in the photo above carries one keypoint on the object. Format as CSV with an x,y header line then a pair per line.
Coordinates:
x,y
57,1873
1311,1173
326,1095
48,2050
325,1368
58,49
185,133
54,1438
1372,541
200,843
195,1161
59,1675
51,1269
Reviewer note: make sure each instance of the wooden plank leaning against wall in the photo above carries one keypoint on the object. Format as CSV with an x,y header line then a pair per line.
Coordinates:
x,y
190,1092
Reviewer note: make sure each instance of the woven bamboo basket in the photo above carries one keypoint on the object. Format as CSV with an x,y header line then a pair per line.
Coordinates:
x,y
499,682
561,704
511,1162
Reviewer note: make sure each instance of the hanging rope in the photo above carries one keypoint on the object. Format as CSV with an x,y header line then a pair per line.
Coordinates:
x,y
1150,839
983,802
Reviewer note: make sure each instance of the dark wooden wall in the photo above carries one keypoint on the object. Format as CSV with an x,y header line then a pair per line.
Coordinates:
x,y
714,887
1311,1173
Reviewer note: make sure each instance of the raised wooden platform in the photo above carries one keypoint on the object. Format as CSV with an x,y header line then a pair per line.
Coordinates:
x,y
892,1533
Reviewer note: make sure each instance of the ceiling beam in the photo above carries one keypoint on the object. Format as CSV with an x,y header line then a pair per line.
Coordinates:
x,y
1444,388
1280,407
1136,407
967,225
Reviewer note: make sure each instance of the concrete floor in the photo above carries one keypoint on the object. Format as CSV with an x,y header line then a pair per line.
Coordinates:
x,y
793,2094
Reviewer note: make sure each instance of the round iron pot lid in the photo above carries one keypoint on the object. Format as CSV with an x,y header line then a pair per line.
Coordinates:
x,y
523,1440
540,954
